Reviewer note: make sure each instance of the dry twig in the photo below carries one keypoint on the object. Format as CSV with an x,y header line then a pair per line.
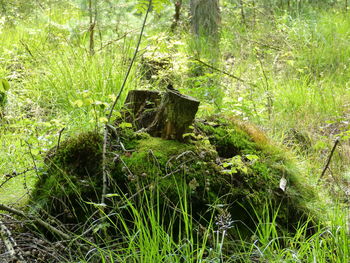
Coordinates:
x,y
37,220
329,159
105,136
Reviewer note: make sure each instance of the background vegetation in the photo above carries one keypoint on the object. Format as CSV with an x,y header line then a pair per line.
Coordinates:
x,y
282,65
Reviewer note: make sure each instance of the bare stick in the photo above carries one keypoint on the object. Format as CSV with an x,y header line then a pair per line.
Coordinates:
x,y
59,138
131,63
36,219
91,28
226,73
329,159
105,135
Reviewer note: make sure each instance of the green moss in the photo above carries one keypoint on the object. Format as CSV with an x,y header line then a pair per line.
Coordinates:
x,y
227,165
73,173
228,140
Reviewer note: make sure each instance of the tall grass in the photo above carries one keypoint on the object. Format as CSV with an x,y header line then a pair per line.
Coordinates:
x,y
146,238
295,67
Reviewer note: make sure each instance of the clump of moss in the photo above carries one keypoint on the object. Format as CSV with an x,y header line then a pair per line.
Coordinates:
x,y
228,140
226,164
73,173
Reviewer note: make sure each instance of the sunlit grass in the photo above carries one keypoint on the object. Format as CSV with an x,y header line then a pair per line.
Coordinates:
x,y
295,72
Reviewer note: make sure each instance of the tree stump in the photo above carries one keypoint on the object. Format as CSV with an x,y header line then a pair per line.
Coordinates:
x,y
175,114
140,107
169,118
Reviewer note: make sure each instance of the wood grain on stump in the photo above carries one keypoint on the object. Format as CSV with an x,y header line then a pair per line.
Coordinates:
x,y
166,115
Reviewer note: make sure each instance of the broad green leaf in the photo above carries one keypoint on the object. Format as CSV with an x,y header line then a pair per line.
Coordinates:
x,y
252,157
112,97
4,86
78,103
117,114
88,101
103,119
124,125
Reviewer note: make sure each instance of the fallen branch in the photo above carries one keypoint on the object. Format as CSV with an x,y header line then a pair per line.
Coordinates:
x,y
37,220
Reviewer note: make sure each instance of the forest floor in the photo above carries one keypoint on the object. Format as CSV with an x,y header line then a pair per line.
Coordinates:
x,y
285,71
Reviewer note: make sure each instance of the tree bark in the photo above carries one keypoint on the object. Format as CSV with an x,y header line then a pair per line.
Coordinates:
x,y
141,107
166,115
176,20
205,17
175,115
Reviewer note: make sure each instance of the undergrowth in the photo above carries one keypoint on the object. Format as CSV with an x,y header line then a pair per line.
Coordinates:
x,y
283,68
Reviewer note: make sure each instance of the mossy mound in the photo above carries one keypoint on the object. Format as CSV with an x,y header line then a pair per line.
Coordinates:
x,y
227,166
72,173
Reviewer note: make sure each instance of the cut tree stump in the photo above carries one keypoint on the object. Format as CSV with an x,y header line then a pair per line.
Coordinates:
x,y
141,107
168,118
175,114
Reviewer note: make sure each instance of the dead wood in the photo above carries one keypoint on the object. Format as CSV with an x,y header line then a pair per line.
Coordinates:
x,y
141,107
10,244
37,220
166,115
175,115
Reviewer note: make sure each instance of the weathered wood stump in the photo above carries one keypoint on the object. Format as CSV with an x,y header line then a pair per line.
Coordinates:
x,y
141,107
175,114
168,118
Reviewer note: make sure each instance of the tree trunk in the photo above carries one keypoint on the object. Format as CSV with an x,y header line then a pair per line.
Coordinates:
x,y
205,17
176,20
175,115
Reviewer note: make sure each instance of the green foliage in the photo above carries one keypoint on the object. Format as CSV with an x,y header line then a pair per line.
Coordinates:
x,y
291,53
157,5
4,87
73,175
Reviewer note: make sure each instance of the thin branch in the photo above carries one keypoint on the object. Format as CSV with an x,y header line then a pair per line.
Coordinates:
x,y
14,174
226,73
33,159
105,136
59,138
329,159
36,219
131,63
